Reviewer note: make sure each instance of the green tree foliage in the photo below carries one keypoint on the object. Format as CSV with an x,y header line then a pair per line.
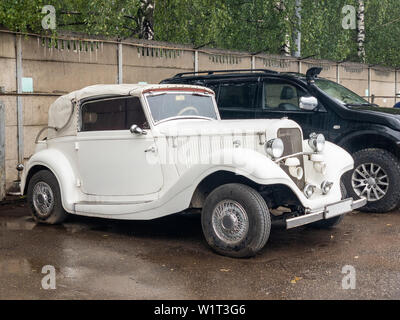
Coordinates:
x,y
95,17
383,32
251,25
322,31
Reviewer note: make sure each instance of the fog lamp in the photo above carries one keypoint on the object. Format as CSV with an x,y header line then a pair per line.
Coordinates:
x,y
309,190
274,148
320,167
296,172
294,168
326,186
317,142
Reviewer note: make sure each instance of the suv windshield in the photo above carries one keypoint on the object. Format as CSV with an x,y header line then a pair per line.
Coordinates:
x,y
165,106
340,93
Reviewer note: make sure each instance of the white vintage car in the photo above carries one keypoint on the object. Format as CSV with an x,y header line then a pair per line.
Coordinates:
x,y
147,151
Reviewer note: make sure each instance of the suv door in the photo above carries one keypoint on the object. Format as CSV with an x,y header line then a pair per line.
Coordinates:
x,y
280,98
237,99
112,161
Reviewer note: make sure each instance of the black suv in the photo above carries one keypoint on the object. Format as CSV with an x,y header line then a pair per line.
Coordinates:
x,y
370,133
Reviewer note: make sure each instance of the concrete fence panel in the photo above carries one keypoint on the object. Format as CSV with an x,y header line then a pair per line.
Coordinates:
x,y
70,62
276,63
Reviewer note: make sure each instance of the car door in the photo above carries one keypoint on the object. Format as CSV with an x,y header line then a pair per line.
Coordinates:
x,y
237,99
112,161
280,98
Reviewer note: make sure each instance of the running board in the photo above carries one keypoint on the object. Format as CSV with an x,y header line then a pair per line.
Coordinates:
x,y
109,208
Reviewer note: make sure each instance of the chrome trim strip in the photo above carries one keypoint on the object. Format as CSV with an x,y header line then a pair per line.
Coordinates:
x,y
304,153
359,203
320,214
305,219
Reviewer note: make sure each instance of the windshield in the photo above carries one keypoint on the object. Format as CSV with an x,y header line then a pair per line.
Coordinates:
x,y
340,93
171,105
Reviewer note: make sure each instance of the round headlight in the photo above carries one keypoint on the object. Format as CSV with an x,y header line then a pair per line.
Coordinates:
x,y
317,142
274,148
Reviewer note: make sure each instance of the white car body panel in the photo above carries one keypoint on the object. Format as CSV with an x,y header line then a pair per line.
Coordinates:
x,y
108,174
125,159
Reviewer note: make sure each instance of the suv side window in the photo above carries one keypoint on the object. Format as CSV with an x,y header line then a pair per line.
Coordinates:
x,y
239,95
213,86
112,114
281,96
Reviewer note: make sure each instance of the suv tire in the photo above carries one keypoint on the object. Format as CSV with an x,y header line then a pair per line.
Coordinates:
x,y
44,198
389,167
236,221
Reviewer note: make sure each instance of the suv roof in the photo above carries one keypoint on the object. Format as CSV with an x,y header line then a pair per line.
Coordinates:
x,y
218,74
213,72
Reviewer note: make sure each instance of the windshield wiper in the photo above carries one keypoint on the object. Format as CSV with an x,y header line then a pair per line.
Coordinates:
x,y
184,117
361,105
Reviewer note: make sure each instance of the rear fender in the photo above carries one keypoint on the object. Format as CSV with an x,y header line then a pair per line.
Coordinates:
x,y
59,165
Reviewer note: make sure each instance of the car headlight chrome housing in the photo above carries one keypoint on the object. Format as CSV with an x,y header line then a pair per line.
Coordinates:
x,y
317,142
275,148
326,186
309,190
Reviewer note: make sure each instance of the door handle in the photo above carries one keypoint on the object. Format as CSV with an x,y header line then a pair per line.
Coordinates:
x,y
151,149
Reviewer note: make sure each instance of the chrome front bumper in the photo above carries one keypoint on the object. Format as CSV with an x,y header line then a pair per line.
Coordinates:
x,y
330,211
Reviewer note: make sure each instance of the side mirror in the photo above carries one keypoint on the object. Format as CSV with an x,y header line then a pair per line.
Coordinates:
x,y
308,103
135,129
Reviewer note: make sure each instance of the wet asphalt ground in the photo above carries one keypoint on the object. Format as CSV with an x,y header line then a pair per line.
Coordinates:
x,y
169,259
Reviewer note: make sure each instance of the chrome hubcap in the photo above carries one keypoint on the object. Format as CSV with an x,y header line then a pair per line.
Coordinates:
x,y
371,181
230,221
43,198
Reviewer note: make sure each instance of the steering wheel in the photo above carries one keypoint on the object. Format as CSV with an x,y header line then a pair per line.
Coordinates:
x,y
187,109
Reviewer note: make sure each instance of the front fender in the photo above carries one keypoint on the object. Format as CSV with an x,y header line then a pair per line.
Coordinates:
x,y
377,136
245,162
262,170
59,165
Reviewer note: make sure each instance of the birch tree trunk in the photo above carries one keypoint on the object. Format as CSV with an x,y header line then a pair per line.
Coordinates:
x,y
361,30
146,19
285,48
297,32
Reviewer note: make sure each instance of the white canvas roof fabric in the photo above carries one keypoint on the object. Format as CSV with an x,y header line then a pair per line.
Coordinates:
x,y
60,110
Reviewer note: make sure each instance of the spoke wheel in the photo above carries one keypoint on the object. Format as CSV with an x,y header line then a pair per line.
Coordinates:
x,y
236,228
371,181
43,198
230,221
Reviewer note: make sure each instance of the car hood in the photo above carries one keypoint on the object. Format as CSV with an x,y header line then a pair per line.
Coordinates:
x,y
373,109
387,116
186,127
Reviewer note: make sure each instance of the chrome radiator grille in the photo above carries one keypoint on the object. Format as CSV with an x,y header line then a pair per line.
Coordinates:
x,y
293,142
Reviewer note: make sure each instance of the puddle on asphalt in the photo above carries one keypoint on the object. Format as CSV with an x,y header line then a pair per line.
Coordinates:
x,y
15,267
27,223
18,225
